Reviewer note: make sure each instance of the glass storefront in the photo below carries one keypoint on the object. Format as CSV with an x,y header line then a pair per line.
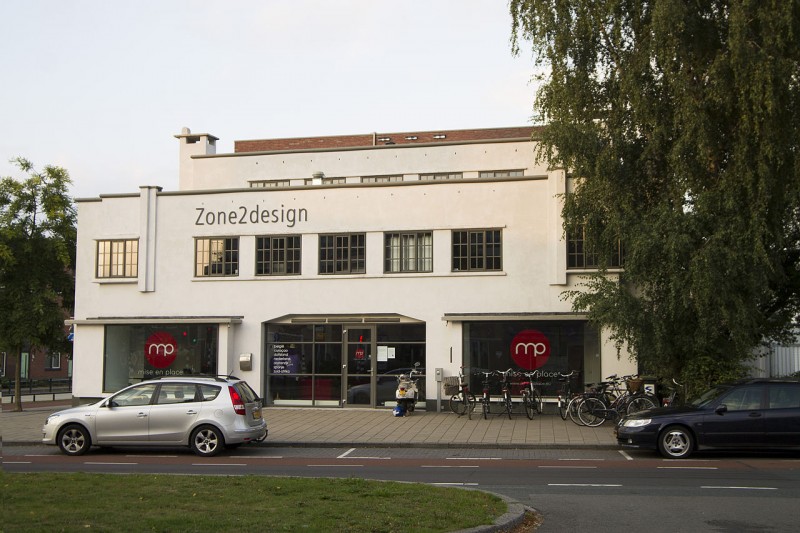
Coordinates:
x,y
337,365
133,353
551,347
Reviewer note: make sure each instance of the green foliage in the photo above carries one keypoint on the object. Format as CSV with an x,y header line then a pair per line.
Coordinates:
x,y
37,258
140,502
679,123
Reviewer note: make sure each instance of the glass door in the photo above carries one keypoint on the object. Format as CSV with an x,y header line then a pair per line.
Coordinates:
x,y
358,366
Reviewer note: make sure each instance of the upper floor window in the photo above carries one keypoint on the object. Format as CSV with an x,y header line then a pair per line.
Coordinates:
x,y
53,361
2,364
441,176
342,253
380,179
501,173
277,256
326,181
118,258
216,257
478,249
579,255
408,252
269,183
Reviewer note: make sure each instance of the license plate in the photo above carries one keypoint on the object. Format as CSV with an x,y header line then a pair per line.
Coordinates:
x,y
256,413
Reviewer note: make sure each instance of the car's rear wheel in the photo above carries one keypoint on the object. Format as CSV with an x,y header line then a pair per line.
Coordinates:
x,y
74,439
207,441
676,442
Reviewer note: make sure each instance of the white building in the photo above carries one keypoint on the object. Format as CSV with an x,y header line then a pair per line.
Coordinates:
x,y
312,266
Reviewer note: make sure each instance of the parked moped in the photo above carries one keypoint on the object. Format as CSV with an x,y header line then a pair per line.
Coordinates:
x,y
406,393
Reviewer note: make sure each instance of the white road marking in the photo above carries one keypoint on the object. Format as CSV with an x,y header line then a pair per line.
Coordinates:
x,y
16,462
218,464
256,456
458,484
449,466
474,458
106,463
737,488
625,455
582,485
345,454
335,466
688,467
560,466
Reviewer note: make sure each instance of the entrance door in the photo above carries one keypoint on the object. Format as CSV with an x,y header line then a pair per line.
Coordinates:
x,y
358,366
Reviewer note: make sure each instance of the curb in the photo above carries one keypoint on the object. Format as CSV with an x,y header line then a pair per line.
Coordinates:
x,y
510,519
445,445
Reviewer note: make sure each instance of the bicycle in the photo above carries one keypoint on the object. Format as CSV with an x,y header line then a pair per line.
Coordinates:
x,y
610,403
505,388
486,397
567,400
531,398
676,395
463,402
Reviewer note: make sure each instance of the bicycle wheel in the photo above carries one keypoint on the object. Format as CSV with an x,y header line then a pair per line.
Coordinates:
x,y
562,407
538,401
485,404
640,403
509,404
573,408
459,407
591,412
527,402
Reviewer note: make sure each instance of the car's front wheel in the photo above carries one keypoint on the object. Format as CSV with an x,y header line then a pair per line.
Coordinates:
x,y
74,439
207,441
675,442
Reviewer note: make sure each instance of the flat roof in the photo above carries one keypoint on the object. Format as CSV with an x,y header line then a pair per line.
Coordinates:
x,y
382,139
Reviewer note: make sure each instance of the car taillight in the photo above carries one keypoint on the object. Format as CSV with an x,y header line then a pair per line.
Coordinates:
x,y
236,400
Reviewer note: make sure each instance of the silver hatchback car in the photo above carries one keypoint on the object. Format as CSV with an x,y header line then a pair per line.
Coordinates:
x,y
207,414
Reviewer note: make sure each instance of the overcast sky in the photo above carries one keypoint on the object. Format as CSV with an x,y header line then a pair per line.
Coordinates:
x,y
100,87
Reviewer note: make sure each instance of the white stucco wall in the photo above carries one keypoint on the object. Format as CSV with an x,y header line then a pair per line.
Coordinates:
x,y
526,210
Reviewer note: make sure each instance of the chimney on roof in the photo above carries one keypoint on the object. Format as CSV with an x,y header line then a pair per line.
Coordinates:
x,y
192,144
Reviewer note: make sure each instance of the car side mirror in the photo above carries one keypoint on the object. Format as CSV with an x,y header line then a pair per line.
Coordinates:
x,y
721,409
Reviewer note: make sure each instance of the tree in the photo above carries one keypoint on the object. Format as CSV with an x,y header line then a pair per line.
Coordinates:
x,y
37,258
679,124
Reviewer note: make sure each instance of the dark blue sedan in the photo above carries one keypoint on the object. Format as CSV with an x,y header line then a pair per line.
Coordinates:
x,y
748,414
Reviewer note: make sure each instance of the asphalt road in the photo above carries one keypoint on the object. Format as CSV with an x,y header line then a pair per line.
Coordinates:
x,y
575,490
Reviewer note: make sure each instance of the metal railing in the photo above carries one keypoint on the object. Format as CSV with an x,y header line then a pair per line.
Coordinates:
x,y
37,389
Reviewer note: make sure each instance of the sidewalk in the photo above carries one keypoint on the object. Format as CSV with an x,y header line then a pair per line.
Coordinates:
x,y
374,428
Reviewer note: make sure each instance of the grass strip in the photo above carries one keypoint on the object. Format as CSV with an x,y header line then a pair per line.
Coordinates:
x,y
147,502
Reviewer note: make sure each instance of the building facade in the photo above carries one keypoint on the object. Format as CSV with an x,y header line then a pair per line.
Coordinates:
x,y
319,268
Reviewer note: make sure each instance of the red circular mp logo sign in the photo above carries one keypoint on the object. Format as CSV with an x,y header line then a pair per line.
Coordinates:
x,y
530,349
160,349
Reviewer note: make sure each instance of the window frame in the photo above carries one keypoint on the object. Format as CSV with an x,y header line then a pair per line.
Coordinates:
x,y
50,359
229,263
580,257
441,176
405,256
270,184
290,264
389,178
509,173
472,255
337,257
111,267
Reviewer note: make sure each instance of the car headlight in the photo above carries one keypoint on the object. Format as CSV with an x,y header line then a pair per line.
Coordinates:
x,y
51,419
636,422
